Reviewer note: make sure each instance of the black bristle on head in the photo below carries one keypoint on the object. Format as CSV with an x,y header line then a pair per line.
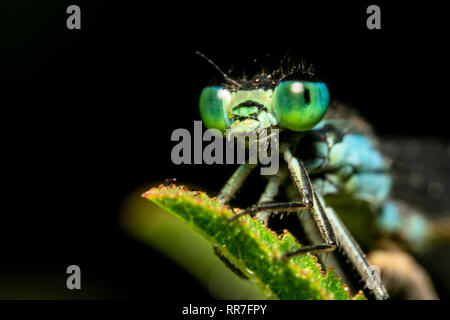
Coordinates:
x,y
265,71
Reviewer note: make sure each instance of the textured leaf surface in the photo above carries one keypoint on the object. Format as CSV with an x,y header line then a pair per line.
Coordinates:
x,y
252,248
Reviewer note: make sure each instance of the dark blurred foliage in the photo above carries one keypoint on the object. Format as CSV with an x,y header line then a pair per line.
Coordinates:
x,y
87,117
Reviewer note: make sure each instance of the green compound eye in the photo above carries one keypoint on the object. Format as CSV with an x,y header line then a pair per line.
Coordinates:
x,y
300,105
212,107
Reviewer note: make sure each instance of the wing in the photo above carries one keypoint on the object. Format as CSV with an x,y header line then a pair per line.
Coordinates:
x,y
421,172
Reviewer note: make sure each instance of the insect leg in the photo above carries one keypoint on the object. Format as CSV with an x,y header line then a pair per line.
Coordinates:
x,y
269,194
309,197
235,182
357,257
272,207
327,221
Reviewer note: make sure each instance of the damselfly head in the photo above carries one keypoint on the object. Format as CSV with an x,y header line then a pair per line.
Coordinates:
x,y
287,98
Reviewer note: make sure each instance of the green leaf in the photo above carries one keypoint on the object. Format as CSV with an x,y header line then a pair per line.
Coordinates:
x,y
251,248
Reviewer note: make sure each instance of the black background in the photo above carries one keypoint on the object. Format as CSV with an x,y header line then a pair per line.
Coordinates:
x,y
87,116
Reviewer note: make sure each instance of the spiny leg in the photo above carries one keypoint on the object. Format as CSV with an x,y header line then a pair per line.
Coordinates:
x,y
235,182
354,253
327,221
272,207
309,197
270,193
265,206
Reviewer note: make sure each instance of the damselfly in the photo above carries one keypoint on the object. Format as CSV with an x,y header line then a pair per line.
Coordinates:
x,y
328,151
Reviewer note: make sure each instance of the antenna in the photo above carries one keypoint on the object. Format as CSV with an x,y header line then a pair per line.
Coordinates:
x,y
226,77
